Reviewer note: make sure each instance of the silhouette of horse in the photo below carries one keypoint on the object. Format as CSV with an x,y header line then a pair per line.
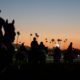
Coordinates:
x,y
9,29
9,37
6,47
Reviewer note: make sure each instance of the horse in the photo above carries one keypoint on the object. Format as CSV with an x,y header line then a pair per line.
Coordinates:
x,y
6,48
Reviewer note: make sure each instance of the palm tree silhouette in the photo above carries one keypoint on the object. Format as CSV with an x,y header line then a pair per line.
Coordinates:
x,y
52,41
65,42
30,36
46,41
59,41
36,35
18,34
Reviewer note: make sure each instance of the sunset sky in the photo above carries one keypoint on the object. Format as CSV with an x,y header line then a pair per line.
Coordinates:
x,y
49,18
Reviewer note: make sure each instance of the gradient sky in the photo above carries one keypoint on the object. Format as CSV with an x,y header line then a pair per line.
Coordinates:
x,y
49,18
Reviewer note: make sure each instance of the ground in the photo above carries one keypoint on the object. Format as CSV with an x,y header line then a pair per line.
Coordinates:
x,y
46,70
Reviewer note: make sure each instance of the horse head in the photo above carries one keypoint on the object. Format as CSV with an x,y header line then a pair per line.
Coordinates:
x,y
9,30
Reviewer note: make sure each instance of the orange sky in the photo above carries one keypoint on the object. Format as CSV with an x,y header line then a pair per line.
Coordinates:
x,y
55,31
49,18
27,40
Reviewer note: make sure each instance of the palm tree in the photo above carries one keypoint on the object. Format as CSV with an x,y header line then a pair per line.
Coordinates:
x,y
36,35
65,42
52,40
18,34
59,41
30,36
46,40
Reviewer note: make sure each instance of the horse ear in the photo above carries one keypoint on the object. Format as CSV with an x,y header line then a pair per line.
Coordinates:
x,y
6,20
13,21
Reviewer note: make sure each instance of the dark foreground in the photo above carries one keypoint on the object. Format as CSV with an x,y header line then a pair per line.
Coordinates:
x,y
40,71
